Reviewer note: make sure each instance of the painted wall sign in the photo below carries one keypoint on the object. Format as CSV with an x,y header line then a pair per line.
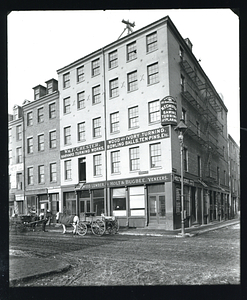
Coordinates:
x,y
168,111
140,180
81,150
186,181
137,138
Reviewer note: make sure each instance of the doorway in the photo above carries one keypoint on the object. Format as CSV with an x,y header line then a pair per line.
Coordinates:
x,y
82,169
157,209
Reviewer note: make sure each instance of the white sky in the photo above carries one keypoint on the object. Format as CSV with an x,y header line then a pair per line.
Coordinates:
x,y
41,42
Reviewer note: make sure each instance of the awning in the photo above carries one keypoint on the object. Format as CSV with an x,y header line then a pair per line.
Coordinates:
x,y
202,183
79,186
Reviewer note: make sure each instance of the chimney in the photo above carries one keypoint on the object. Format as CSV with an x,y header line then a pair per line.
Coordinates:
x,y
188,42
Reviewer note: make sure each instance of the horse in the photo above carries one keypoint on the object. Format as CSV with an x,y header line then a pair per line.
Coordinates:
x,y
67,220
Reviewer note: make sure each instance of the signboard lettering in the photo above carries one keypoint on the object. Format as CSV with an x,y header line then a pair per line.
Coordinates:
x,y
82,150
168,110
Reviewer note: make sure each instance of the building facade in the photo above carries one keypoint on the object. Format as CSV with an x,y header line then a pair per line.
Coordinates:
x,y
234,176
112,154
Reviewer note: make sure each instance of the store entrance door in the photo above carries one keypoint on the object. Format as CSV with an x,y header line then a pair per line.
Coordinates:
x,y
157,209
84,206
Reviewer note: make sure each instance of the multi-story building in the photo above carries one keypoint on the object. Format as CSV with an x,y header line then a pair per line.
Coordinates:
x,y
234,176
117,158
42,141
16,166
95,139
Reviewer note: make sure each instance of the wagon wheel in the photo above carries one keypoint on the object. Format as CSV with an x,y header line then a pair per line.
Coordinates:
x,y
82,228
98,227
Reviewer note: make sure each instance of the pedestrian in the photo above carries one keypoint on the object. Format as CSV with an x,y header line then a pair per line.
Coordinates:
x,y
44,220
48,216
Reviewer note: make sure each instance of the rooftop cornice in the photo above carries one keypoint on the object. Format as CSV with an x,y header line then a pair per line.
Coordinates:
x,y
40,101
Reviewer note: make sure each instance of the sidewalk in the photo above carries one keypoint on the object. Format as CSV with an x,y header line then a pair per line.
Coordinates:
x,y
19,272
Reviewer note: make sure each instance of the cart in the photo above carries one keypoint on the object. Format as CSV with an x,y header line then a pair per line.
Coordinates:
x,y
97,225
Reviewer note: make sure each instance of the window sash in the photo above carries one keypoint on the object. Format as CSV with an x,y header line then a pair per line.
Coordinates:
x,y
66,105
133,117
115,158
153,73
41,170
81,131
19,155
154,111
67,135
97,164
29,119
114,122
97,127
52,111
114,88
152,42
30,175
95,67
67,169
81,100
132,81
113,59
30,145
53,143
53,172
66,80
80,74
134,159
131,51
96,94
155,155
41,145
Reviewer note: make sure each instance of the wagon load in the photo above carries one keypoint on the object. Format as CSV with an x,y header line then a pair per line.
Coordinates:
x,y
66,219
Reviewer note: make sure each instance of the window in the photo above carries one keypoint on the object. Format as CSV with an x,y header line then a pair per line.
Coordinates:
x,y
40,115
49,88
96,94
132,81
66,105
52,139
19,181
199,166
114,88
114,119
98,201
185,159
67,135
97,163
153,73
52,111
184,115
18,155
154,111
95,67
30,118
53,172
66,80
119,202
181,53
81,132
131,51
137,201
113,59
81,100
224,177
182,81
97,127
41,144
30,145
115,161
134,159
36,94
218,175
67,169
41,174
30,175
80,74
155,155
133,117
10,157
18,133
152,42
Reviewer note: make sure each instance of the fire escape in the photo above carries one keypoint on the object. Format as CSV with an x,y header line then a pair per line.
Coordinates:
x,y
203,98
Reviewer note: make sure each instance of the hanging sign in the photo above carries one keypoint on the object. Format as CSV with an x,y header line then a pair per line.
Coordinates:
x,y
168,110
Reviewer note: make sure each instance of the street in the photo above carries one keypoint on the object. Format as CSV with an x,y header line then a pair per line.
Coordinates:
x,y
113,260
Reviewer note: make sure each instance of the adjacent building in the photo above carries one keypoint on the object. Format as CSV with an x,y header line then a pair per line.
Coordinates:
x,y
113,153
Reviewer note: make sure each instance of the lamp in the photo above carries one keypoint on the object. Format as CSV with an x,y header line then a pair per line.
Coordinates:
x,y
181,128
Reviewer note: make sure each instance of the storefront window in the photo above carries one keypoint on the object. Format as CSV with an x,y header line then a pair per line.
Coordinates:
x,y
137,201
98,201
70,200
31,203
119,202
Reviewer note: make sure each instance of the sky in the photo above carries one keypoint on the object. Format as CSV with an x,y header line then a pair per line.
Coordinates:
x,y
41,42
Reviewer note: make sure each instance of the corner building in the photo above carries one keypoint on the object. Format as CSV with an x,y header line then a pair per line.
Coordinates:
x,y
116,158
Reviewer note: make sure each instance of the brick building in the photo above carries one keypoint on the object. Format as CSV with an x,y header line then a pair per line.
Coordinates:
x,y
112,154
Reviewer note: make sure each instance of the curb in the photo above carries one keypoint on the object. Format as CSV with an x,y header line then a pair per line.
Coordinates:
x,y
38,275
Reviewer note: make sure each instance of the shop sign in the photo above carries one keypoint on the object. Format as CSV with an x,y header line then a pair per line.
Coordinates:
x,y
140,180
96,185
168,111
19,197
82,150
138,138
186,181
